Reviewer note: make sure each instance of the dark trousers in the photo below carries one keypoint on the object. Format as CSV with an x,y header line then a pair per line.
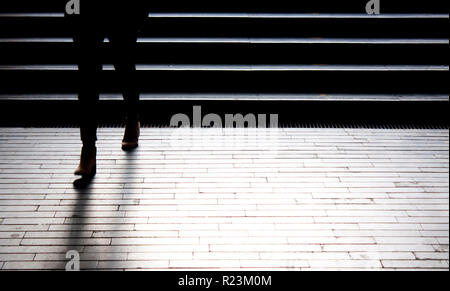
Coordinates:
x,y
89,43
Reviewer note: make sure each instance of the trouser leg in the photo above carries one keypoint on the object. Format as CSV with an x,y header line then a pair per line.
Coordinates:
x,y
123,47
89,69
88,102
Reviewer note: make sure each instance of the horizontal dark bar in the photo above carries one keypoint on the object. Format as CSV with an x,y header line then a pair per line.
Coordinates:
x,y
63,113
362,27
348,82
237,53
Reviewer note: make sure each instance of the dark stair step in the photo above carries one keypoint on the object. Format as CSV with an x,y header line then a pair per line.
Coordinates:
x,y
393,112
62,51
238,79
249,25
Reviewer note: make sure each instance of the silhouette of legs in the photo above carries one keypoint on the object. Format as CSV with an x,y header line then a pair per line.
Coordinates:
x,y
123,42
123,45
89,68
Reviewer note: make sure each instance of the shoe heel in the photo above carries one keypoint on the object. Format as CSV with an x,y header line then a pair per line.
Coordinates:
x,y
94,170
92,173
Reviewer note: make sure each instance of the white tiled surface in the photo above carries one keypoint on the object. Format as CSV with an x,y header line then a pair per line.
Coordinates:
x,y
307,199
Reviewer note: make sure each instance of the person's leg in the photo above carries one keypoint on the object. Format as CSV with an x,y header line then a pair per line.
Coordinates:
x,y
89,68
123,44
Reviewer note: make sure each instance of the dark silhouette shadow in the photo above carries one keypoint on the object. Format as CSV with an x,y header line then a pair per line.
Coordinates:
x,y
119,21
126,175
76,230
83,183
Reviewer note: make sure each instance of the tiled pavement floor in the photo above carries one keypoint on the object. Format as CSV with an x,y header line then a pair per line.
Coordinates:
x,y
297,199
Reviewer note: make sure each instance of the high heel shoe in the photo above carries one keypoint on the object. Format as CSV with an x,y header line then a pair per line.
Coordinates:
x,y
131,137
88,162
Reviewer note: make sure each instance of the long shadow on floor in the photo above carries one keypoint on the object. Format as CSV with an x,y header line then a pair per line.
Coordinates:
x,y
75,246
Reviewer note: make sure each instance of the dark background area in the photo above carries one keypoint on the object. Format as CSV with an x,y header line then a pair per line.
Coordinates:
x,y
362,113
